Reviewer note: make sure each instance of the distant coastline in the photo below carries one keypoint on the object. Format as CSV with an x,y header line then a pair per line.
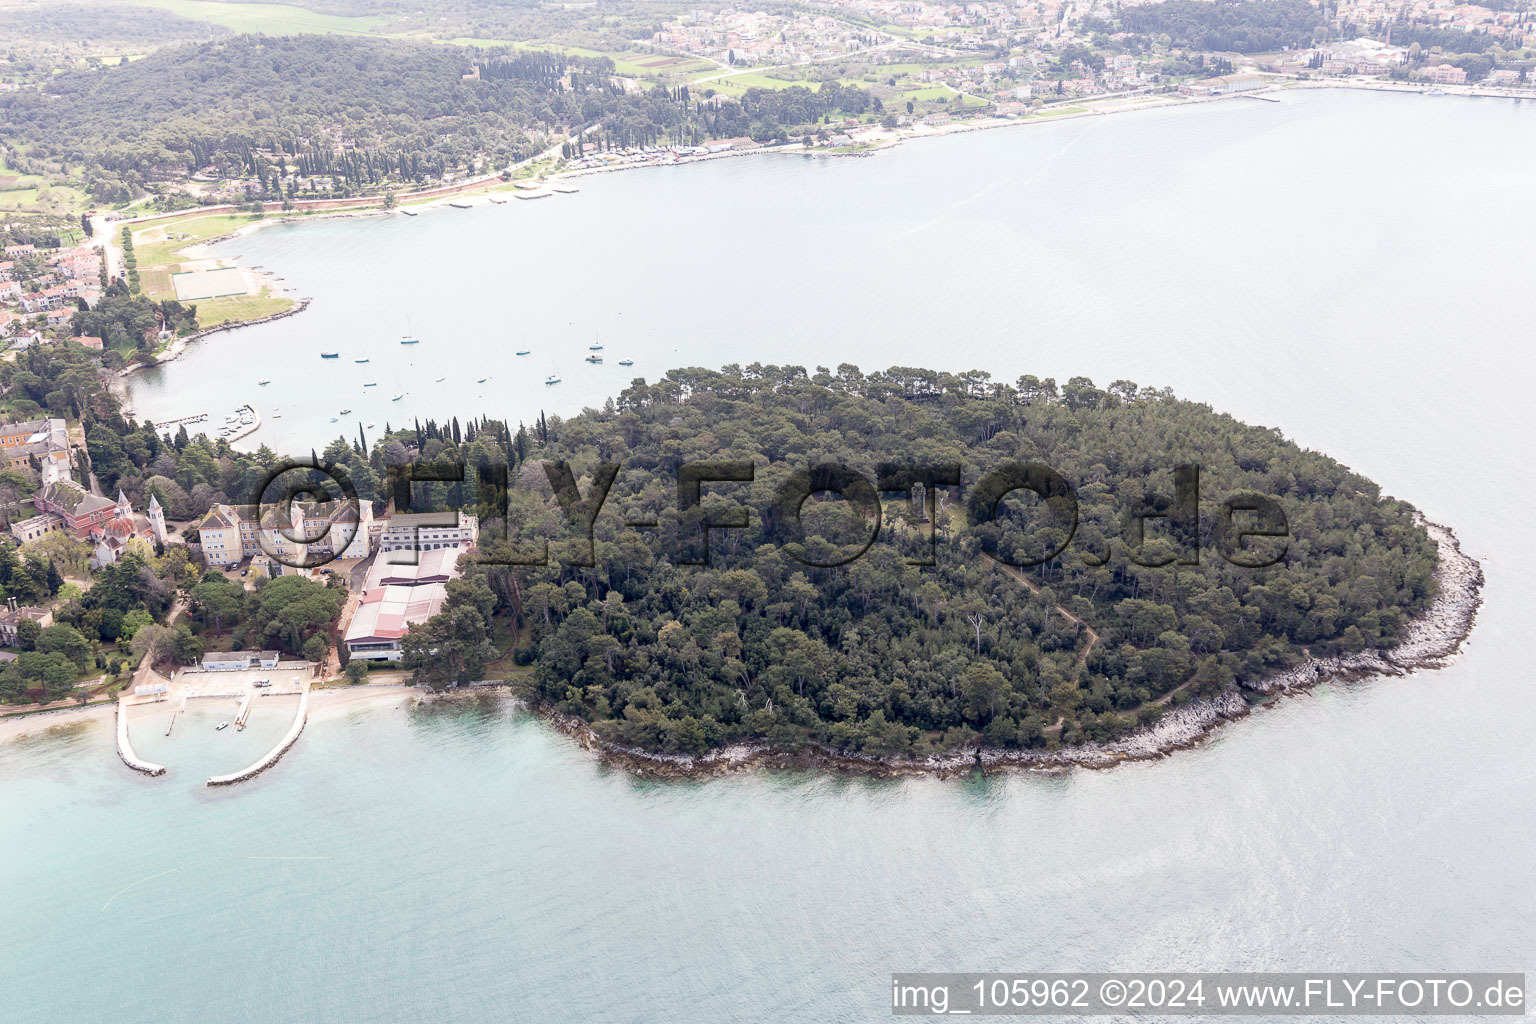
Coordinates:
x,y
482,188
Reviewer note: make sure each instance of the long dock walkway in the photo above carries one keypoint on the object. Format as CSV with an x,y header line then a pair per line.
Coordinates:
x,y
272,756
125,748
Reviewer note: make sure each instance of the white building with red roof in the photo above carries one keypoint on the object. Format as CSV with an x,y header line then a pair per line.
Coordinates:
x,y
385,614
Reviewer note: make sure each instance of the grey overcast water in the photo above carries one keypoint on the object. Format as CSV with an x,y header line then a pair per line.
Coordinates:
x,y
1352,268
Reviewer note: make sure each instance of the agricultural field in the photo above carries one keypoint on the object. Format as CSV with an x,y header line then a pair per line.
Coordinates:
x,y
272,19
735,85
932,97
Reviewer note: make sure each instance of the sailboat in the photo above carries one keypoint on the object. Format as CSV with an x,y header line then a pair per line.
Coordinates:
x,y
626,362
597,344
552,379
364,360
410,338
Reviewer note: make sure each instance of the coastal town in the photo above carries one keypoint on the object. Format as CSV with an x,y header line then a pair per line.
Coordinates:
x,y
362,582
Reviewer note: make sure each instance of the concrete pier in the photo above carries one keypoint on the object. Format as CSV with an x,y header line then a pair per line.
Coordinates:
x,y
272,756
125,749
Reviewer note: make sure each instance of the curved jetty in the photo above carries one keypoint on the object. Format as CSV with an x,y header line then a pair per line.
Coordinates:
x,y
125,749
272,756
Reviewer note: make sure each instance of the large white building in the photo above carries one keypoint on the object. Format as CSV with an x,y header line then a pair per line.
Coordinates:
x,y
424,531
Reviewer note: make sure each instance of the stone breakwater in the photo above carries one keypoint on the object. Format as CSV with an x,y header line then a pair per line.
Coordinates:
x,y
1431,640
275,754
125,748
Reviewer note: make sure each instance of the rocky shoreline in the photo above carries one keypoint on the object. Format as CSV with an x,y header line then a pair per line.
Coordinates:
x,y
1433,639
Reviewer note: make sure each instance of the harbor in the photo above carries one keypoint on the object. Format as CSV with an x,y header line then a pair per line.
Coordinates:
x,y
245,420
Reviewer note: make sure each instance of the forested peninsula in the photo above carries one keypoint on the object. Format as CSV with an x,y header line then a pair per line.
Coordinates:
x,y
882,656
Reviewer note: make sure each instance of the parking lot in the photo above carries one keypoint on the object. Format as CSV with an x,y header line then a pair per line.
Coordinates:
x,y
196,683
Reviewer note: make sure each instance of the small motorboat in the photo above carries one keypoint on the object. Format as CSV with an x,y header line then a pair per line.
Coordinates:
x,y
440,380
370,426
360,360
330,355
410,341
626,362
594,358
482,380
221,725
333,419
524,351
370,383
398,395
346,412
552,379
263,383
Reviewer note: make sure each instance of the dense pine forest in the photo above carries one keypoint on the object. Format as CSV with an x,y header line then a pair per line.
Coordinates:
x,y
1249,26
1023,629
369,110
887,655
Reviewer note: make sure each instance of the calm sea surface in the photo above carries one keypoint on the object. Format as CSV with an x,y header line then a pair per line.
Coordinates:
x,y
1352,268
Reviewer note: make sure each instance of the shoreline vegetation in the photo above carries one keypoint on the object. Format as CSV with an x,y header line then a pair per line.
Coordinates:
x,y
1435,637
493,185
1433,640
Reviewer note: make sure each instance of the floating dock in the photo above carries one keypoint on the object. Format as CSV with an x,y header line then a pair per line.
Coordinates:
x,y
542,193
172,724
196,418
564,189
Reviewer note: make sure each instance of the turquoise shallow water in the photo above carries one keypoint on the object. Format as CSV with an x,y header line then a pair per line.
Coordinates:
x,y
1347,267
